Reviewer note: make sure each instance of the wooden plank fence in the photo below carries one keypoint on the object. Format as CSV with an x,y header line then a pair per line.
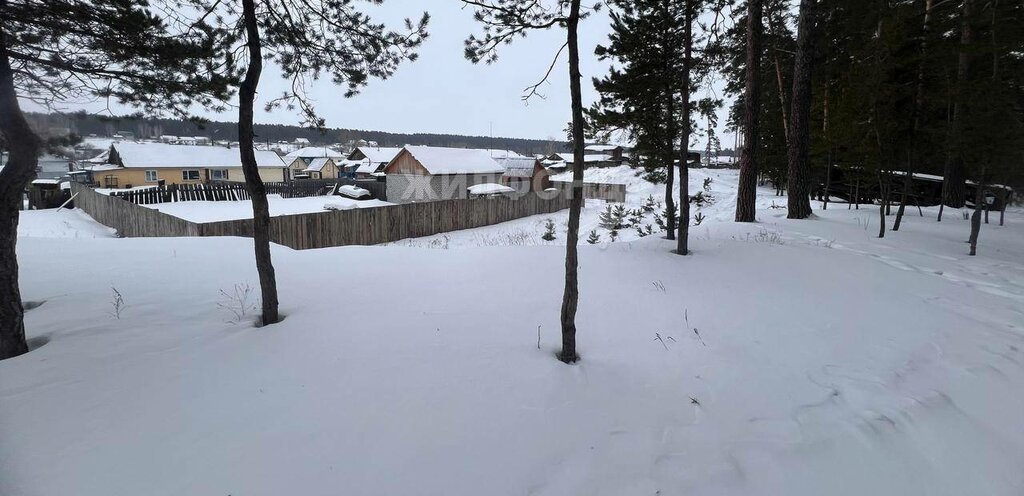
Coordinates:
x,y
130,220
185,192
225,191
597,191
363,226
301,188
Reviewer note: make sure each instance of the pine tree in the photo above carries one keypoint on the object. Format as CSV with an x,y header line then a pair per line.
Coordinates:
x,y
549,231
746,196
329,36
503,21
799,124
768,144
58,50
642,92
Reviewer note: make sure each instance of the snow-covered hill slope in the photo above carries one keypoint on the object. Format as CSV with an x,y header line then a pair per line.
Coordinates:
x,y
784,357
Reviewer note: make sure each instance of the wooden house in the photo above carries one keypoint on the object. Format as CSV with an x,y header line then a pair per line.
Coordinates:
x,y
130,164
321,168
426,173
299,161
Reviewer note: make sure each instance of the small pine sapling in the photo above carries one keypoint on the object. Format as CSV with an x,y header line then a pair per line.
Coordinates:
x,y
594,238
613,218
636,217
707,184
649,205
549,231
698,219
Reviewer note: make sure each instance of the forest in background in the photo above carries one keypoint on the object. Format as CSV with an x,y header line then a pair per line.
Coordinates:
x,y
84,124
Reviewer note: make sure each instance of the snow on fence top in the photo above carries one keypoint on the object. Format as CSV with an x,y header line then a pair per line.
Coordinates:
x,y
156,155
439,160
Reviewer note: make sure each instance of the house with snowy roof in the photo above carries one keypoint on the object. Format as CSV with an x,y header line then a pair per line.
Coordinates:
x,y
590,159
524,174
299,162
593,156
428,173
320,168
130,164
366,162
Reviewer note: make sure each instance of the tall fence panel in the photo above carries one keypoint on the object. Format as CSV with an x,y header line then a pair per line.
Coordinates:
x,y
130,220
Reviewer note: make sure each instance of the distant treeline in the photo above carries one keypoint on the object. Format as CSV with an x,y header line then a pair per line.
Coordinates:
x,y
84,124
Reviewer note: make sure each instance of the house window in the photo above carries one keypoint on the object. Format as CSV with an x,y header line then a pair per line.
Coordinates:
x,y
218,174
189,175
151,176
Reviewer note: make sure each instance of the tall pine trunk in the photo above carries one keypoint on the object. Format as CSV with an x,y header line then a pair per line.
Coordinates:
x,y
918,103
253,182
979,200
682,241
799,136
571,296
24,147
746,196
669,153
955,173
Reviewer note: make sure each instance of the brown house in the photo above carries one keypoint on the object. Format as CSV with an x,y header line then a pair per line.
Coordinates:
x,y
524,174
427,173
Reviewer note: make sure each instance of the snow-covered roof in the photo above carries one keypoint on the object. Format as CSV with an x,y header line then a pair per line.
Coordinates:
x,y
317,164
376,154
499,154
312,152
157,155
489,189
601,148
588,158
102,167
99,159
918,175
439,160
518,166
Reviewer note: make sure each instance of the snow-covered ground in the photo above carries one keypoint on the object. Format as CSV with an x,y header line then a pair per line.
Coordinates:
x,y
784,357
212,211
528,231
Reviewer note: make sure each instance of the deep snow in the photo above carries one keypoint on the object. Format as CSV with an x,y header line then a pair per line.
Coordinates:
x,y
212,211
827,362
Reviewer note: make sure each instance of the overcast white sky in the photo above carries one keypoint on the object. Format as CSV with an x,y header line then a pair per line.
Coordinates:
x,y
442,92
